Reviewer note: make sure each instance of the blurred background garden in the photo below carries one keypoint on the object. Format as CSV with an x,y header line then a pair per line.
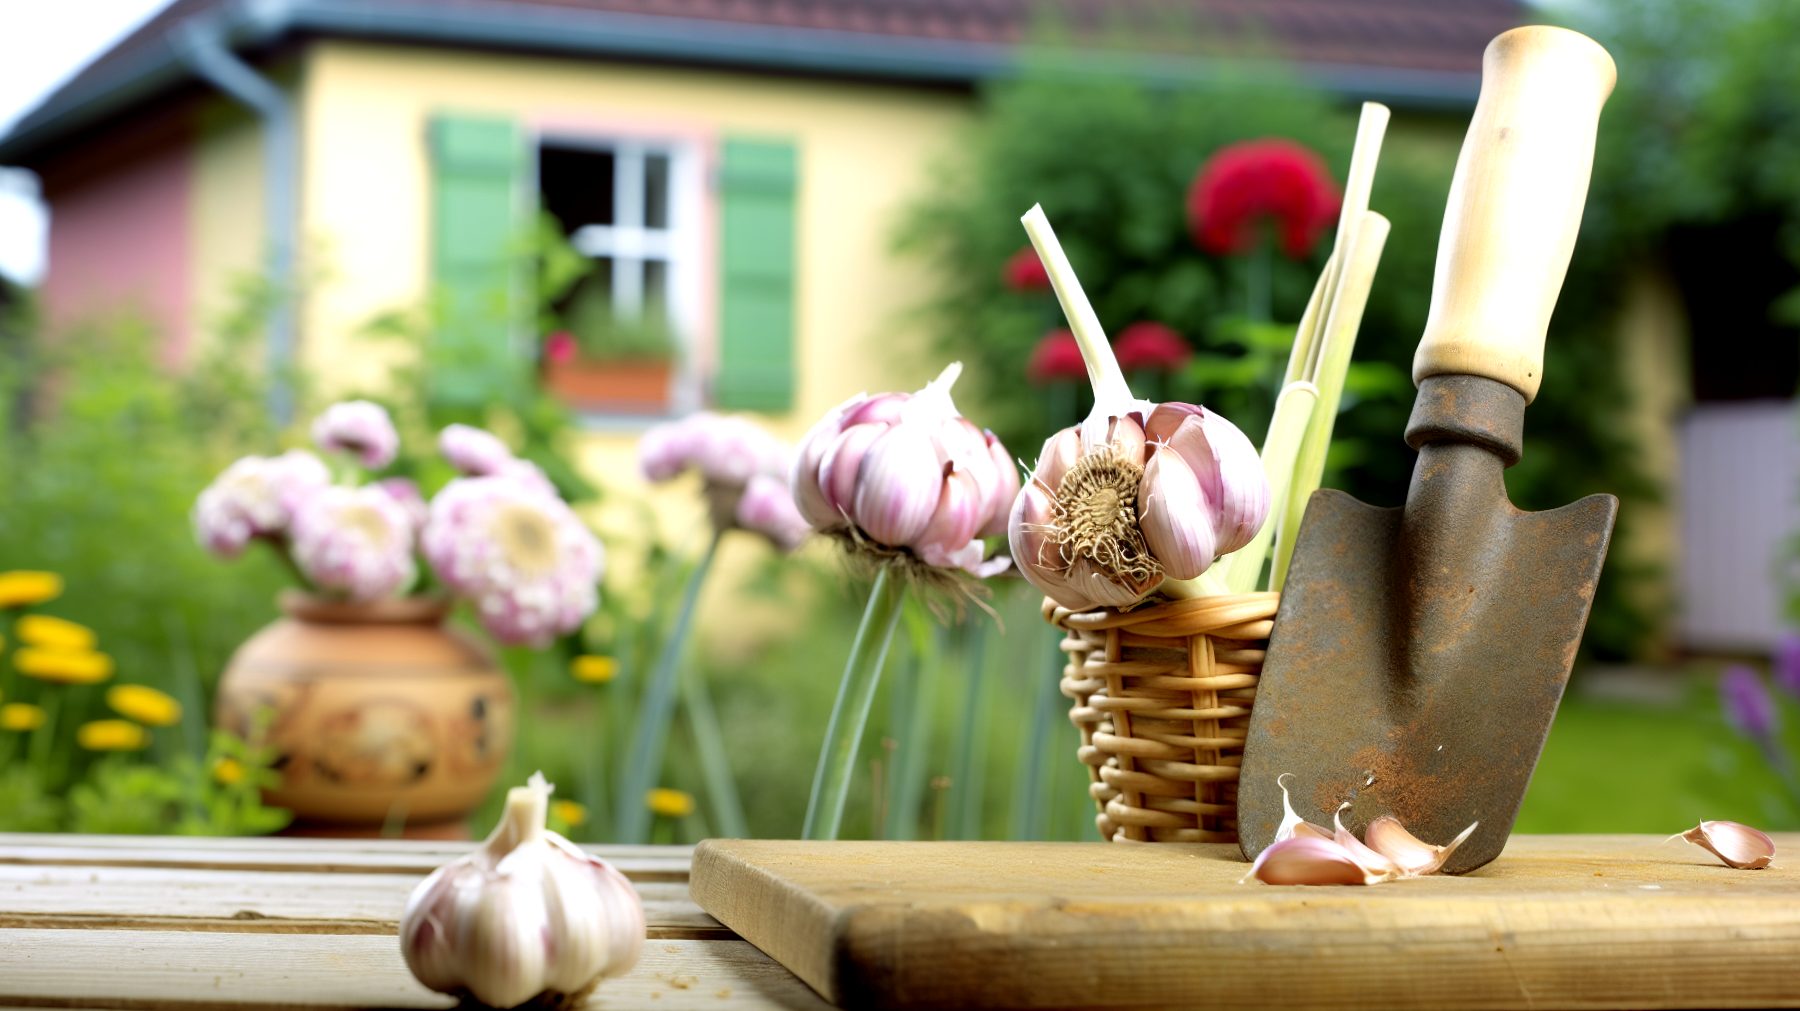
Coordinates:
x,y
618,217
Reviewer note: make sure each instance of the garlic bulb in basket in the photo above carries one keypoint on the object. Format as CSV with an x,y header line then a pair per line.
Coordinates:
x,y
527,913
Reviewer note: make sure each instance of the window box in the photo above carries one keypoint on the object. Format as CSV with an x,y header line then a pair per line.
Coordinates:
x,y
626,386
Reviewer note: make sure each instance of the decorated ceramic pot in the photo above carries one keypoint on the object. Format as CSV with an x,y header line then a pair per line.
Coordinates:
x,y
385,718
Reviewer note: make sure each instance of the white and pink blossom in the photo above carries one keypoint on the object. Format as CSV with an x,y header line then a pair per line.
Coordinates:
x,y
474,452
523,558
255,497
357,542
358,427
767,508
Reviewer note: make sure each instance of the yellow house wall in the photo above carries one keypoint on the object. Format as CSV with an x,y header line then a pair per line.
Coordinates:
x,y
226,215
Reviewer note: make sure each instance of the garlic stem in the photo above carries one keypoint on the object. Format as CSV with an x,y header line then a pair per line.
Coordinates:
x,y
1112,395
523,819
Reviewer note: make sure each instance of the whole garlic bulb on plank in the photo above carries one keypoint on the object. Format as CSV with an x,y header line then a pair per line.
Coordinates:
x,y
527,913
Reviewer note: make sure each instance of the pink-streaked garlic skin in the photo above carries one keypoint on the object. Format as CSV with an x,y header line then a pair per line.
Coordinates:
x,y
1738,846
1376,866
1411,854
1305,860
1170,499
907,471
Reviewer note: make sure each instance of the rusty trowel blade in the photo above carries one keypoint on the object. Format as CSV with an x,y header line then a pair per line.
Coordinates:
x,y
1416,666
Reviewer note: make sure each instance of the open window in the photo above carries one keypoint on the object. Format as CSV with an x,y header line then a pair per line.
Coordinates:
x,y
624,327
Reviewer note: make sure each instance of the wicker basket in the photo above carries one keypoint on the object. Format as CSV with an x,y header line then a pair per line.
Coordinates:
x,y
1162,699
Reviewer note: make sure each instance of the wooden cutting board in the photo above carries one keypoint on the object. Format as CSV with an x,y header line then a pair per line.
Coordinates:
x,y
1556,922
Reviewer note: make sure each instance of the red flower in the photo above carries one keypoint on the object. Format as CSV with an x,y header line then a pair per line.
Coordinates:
x,y
1245,182
559,348
1056,356
1149,345
1025,272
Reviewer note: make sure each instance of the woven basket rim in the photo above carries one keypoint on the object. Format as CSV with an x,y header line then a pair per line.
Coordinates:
x,y
1195,616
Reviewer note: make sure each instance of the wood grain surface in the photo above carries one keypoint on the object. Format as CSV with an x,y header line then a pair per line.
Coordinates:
x,y
1555,922
166,923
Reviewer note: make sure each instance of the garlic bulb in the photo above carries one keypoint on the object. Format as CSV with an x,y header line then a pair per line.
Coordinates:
x,y
527,913
1136,494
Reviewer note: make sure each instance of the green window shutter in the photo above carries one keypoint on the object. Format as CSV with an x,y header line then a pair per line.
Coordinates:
x,y
756,305
476,166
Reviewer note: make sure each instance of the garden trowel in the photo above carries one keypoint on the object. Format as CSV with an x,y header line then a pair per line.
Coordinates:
x,y
1420,652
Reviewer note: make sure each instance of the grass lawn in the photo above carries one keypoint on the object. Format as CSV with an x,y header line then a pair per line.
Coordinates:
x,y
1615,766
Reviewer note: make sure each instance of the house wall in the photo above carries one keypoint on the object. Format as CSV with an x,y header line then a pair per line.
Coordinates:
x,y
864,150
120,238
226,214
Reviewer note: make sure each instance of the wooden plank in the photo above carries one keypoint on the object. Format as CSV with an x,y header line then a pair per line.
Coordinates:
x,y
138,970
135,898
319,856
1557,921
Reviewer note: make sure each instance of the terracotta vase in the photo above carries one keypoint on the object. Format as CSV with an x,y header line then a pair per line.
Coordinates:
x,y
386,719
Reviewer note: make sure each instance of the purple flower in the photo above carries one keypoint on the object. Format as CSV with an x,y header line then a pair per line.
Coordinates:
x,y
354,541
255,497
360,428
523,558
404,491
767,508
1786,662
473,451
1747,703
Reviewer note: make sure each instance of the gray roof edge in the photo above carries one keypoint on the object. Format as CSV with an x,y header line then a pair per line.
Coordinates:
x,y
607,33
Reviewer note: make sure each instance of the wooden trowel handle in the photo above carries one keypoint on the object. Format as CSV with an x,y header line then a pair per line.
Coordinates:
x,y
1515,206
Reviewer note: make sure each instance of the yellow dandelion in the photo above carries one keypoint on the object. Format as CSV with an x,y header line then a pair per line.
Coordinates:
x,y
228,771
63,667
670,803
594,670
22,588
568,812
54,633
112,735
21,716
144,704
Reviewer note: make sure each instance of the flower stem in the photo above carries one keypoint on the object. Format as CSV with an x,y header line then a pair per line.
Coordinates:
x,y
837,759
632,819
715,765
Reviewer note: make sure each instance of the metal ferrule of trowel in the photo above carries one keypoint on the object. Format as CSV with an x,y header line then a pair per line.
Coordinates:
x,y
1420,653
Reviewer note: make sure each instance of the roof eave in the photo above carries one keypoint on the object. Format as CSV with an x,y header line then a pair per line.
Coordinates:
x,y
604,33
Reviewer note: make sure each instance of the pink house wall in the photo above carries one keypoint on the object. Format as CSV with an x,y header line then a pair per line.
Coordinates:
x,y
120,242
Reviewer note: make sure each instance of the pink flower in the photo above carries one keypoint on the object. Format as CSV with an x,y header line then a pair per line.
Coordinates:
x,y
404,491
523,558
255,497
474,452
908,471
767,508
1243,183
727,450
1148,345
357,542
1055,357
559,348
360,428
1025,272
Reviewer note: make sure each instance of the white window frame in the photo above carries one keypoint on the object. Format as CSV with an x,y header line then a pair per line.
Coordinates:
x,y
630,244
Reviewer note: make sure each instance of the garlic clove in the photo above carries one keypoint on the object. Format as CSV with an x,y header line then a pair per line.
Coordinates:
x,y
1006,489
1059,455
1092,582
880,409
1127,436
1304,860
954,521
1167,417
1414,856
1738,846
1244,501
1291,823
1031,538
1173,515
843,464
898,487
1377,867
809,456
